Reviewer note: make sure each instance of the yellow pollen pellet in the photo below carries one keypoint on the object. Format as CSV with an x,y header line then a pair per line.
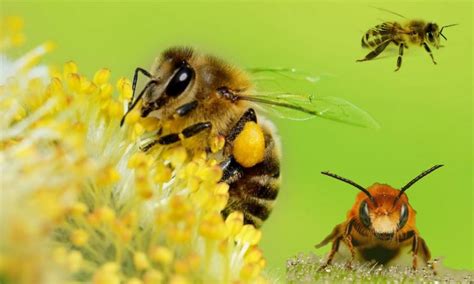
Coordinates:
x,y
249,145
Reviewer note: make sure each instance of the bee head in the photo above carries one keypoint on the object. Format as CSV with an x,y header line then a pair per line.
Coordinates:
x,y
432,34
382,209
181,76
384,217
172,82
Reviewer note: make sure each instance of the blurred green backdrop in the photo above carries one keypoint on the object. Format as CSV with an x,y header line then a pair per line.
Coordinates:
x,y
425,111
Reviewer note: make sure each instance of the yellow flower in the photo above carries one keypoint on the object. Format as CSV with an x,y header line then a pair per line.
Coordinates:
x,y
77,190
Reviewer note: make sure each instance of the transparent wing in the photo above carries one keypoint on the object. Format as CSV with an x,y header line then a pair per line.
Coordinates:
x,y
288,93
288,80
302,107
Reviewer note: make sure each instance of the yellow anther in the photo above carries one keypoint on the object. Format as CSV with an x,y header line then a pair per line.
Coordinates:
x,y
190,169
124,233
181,266
60,255
219,201
114,109
160,254
106,215
201,197
101,77
221,188
161,218
139,159
109,175
234,222
78,209
194,261
153,277
177,156
253,255
74,261
93,219
248,234
178,279
210,174
179,235
107,274
130,219
79,237
140,261
193,184
213,227
125,89
74,82
150,123
134,281
250,271
179,207
70,68
144,189
105,91
163,174
216,143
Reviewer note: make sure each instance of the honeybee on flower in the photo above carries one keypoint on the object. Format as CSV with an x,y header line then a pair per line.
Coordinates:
x,y
102,210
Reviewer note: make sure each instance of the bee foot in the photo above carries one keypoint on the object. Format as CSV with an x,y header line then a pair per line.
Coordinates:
x,y
323,267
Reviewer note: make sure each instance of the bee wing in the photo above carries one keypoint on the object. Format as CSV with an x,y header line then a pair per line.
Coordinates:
x,y
302,107
288,80
287,93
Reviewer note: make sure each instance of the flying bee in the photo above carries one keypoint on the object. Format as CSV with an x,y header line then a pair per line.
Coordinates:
x,y
199,96
410,32
379,224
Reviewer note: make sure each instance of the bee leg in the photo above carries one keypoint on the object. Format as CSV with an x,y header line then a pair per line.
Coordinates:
x,y
400,55
175,137
348,241
249,115
427,48
374,53
334,249
426,255
414,251
186,108
231,170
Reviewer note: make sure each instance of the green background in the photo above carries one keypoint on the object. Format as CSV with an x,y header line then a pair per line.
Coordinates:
x,y
425,110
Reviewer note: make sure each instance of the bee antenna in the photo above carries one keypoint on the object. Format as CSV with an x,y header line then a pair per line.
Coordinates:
x,y
420,176
360,187
447,26
133,104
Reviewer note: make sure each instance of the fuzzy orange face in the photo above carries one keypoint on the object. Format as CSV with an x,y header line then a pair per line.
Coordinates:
x,y
382,209
385,214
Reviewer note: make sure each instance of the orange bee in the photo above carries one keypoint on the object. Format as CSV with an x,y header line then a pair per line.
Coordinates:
x,y
379,225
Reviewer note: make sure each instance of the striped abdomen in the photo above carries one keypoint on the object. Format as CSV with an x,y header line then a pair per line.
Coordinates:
x,y
253,190
379,34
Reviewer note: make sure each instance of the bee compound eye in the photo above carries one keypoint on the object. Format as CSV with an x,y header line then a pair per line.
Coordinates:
x,y
364,214
180,81
403,216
